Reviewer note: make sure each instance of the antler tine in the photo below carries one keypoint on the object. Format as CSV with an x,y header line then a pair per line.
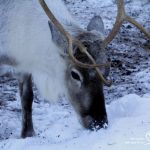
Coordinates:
x,y
69,38
118,23
72,41
140,27
121,17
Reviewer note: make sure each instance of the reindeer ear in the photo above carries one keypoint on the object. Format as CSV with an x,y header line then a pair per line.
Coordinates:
x,y
96,24
57,37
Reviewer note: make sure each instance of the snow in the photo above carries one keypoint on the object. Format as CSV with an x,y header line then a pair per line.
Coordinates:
x,y
129,128
57,125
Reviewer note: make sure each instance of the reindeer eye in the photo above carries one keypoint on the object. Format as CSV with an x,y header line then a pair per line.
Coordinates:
x,y
75,75
86,44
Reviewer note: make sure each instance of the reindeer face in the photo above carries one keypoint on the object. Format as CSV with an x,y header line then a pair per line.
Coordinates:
x,y
86,95
84,86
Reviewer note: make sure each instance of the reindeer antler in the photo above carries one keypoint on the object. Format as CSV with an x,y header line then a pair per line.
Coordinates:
x,y
72,41
121,17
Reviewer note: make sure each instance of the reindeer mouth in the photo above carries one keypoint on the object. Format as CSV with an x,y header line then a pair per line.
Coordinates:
x,y
95,124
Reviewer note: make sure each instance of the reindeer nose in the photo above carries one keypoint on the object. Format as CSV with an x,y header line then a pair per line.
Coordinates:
x,y
94,124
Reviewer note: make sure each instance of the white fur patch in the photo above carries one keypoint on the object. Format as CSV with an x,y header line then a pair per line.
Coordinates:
x,y
27,38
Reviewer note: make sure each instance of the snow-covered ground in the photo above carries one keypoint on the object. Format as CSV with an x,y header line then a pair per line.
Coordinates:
x,y
57,126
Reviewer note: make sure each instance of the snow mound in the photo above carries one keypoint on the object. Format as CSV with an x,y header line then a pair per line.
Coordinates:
x,y
129,128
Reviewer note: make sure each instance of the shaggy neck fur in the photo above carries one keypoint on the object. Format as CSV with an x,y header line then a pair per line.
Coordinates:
x,y
26,38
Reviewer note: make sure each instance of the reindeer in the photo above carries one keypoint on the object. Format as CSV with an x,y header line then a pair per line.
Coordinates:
x,y
61,48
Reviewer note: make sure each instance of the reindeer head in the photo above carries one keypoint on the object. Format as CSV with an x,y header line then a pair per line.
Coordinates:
x,y
86,85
